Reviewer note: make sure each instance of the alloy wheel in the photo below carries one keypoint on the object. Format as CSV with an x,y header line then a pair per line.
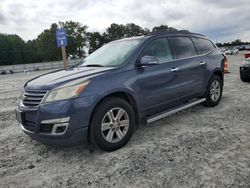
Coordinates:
x,y
215,90
115,125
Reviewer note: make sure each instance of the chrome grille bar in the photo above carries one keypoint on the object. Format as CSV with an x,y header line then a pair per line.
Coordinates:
x,y
33,97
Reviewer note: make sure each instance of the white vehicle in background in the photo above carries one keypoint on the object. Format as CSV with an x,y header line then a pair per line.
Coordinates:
x,y
235,51
228,52
231,51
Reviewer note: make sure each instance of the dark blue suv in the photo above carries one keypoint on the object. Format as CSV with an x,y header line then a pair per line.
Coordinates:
x,y
123,83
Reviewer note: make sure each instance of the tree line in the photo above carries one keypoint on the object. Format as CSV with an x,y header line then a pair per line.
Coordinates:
x,y
14,50
236,42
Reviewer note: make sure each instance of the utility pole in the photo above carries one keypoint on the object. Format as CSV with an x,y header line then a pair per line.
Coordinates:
x,y
65,64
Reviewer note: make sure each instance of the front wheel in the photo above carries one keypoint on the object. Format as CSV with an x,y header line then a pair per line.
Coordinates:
x,y
214,91
112,125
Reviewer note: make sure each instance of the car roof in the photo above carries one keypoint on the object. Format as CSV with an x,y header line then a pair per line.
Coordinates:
x,y
181,32
162,33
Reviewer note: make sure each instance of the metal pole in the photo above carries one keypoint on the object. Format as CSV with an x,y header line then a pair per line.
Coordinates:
x,y
64,57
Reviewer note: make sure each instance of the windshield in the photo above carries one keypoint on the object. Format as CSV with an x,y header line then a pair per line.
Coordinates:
x,y
112,54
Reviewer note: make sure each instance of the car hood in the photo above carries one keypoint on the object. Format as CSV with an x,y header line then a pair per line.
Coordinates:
x,y
57,78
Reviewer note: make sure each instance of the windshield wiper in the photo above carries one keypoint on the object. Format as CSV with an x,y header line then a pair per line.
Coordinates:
x,y
94,65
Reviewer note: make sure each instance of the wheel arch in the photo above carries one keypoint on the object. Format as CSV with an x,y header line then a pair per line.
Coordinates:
x,y
123,95
219,73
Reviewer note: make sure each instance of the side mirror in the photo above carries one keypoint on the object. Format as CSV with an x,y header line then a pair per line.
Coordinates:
x,y
148,61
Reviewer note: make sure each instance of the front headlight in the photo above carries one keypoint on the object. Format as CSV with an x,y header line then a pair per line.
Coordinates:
x,y
65,92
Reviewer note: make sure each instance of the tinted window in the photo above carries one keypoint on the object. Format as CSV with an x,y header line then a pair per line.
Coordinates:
x,y
203,45
182,47
160,49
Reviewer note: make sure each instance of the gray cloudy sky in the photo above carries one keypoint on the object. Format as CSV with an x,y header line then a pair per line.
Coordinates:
x,y
221,20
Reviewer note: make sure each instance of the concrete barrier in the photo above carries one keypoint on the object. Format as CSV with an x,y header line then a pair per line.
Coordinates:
x,y
37,66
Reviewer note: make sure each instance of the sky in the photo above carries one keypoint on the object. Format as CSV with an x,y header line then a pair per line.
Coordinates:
x,y
221,20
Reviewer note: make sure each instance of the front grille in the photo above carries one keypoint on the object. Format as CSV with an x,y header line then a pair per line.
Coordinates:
x,y
33,97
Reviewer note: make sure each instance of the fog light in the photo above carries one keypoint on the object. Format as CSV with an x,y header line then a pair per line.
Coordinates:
x,y
59,128
59,125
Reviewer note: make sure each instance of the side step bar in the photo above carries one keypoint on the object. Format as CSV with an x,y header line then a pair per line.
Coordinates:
x,y
168,113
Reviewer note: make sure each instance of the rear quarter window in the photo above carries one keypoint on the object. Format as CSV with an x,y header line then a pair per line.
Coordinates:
x,y
203,45
182,47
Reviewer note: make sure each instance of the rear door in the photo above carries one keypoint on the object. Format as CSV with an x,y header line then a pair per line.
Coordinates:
x,y
191,67
205,50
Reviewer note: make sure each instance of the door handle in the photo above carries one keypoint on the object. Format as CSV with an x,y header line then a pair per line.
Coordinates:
x,y
202,63
175,69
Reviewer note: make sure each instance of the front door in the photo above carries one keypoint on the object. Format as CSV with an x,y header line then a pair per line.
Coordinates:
x,y
159,84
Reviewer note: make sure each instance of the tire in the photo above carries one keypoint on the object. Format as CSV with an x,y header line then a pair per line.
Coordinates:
x,y
111,135
244,79
214,91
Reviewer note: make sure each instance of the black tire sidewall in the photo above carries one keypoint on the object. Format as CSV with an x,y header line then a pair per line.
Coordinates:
x,y
244,79
97,117
209,101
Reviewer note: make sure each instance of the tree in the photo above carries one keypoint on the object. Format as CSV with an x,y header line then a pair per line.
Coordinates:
x,y
11,49
77,36
119,31
46,44
132,30
236,42
163,28
219,44
114,32
31,54
96,40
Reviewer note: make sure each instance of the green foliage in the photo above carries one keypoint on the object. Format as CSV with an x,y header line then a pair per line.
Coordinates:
x,y
77,37
31,52
96,40
236,42
132,30
119,31
163,28
11,49
114,32
46,45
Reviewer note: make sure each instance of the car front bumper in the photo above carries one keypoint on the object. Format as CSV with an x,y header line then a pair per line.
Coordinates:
x,y
60,123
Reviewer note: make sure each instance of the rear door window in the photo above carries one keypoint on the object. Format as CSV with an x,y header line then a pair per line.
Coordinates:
x,y
182,47
203,45
160,49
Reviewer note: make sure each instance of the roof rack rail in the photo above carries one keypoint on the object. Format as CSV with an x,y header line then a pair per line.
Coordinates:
x,y
170,32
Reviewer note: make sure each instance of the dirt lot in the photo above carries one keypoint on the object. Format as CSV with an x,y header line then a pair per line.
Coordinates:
x,y
199,147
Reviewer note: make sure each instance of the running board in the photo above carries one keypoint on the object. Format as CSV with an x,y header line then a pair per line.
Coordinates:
x,y
168,113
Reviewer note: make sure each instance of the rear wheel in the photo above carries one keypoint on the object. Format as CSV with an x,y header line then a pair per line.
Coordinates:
x,y
112,125
214,91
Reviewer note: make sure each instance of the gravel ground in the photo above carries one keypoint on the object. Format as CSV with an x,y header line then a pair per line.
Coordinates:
x,y
198,147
